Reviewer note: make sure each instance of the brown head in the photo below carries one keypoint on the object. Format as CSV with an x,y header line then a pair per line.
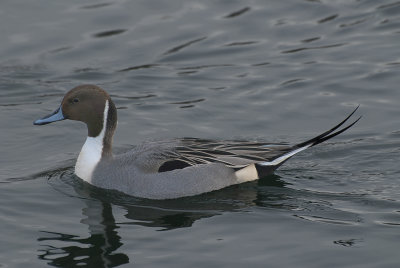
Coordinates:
x,y
87,103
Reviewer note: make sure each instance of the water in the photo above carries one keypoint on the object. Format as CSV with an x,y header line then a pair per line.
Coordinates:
x,y
278,71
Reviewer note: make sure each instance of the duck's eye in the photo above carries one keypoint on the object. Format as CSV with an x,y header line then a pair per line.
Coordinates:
x,y
75,100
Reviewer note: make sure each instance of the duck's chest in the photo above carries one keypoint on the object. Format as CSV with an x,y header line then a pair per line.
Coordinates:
x,y
88,158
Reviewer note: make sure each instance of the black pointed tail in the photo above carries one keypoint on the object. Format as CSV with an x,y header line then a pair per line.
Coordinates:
x,y
280,159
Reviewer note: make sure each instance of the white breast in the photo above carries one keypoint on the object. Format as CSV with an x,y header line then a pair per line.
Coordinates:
x,y
91,152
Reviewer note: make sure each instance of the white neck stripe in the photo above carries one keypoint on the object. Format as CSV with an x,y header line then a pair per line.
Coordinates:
x,y
91,152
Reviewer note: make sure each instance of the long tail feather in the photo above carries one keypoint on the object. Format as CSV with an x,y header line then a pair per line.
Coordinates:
x,y
319,137
280,159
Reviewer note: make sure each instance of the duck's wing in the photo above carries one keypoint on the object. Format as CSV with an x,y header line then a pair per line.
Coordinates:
x,y
232,153
148,156
259,157
161,156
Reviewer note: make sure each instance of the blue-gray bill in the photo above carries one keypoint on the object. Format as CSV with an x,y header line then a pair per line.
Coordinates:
x,y
57,115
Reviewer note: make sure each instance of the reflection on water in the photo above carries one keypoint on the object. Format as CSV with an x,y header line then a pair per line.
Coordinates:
x,y
162,214
96,250
102,246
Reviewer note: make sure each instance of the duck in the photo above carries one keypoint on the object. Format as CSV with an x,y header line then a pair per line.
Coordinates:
x,y
167,169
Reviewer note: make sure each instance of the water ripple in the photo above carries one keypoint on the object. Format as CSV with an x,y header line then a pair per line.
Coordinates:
x,y
109,33
188,102
395,4
309,40
95,6
237,13
138,67
245,43
329,18
205,66
291,81
312,48
326,220
344,25
133,97
180,47
352,242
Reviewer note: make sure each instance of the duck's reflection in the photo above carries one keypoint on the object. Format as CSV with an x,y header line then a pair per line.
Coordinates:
x,y
97,250
100,248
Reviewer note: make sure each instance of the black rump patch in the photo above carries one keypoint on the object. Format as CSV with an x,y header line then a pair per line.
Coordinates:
x,y
173,164
264,171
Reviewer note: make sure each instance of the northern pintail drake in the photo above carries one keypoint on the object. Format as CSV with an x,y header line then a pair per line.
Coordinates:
x,y
166,169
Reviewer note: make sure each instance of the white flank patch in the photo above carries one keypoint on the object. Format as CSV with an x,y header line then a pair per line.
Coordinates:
x,y
248,173
91,151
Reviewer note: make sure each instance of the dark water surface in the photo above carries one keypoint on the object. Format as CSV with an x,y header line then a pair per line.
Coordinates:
x,y
278,71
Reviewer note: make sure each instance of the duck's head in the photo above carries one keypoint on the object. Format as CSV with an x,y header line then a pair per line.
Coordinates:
x,y
89,104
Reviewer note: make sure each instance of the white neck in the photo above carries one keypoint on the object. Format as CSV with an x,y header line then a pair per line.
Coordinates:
x,y
91,152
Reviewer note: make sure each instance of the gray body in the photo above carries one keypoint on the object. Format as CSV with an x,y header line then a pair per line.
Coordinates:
x,y
119,174
136,172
